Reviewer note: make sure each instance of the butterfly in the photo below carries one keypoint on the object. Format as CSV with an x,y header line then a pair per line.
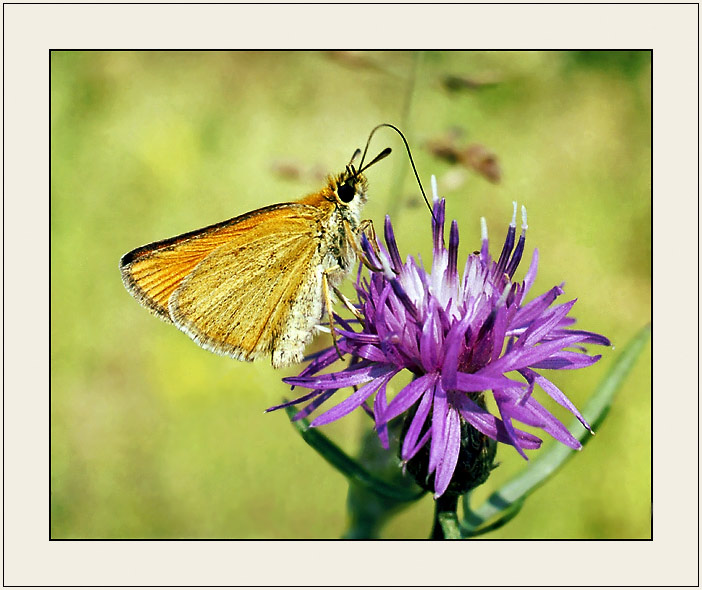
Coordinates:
x,y
258,284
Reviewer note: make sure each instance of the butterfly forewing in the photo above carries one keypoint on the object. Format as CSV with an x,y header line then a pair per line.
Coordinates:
x,y
153,272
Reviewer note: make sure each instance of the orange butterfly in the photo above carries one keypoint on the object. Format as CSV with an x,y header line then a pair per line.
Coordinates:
x,y
257,284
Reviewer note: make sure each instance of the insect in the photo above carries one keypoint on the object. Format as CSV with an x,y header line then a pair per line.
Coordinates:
x,y
257,284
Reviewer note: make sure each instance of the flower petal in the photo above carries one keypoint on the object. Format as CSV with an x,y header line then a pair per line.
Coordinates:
x,y
438,427
482,381
352,402
392,245
498,332
359,337
518,358
567,360
535,307
531,273
449,457
409,444
539,329
313,405
346,378
533,413
408,395
454,342
557,395
587,337
379,406
303,398
503,405
489,425
430,342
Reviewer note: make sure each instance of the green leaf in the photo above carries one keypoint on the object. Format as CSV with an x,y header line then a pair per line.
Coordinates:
x,y
346,465
501,504
507,515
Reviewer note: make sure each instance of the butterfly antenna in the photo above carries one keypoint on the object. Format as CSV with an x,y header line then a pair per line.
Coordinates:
x,y
387,151
355,155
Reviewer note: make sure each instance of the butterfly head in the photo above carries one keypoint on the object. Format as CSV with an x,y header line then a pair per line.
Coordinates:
x,y
350,187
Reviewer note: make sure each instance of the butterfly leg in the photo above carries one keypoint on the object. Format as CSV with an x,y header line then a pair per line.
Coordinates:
x,y
366,227
356,246
348,305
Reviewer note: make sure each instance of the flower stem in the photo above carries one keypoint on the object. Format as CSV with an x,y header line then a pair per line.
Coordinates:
x,y
445,517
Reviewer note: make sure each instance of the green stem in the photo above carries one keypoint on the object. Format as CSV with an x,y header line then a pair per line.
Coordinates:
x,y
445,517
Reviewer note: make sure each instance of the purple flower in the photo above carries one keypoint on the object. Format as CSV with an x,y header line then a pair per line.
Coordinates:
x,y
462,338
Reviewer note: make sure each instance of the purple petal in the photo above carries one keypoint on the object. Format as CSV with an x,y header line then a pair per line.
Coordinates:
x,y
303,398
369,251
392,245
319,362
499,331
503,404
422,441
539,329
409,445
518,358
381,310
516,256
359,337
506,249
408,395
567,360
352,402
381,403
534,414
587,337
437,225
371,353
484,244
531,273
429,343
399,290
455,341
489,425
483,380
313,405
557,395
452,270
449,458
535,307
345,378
438,427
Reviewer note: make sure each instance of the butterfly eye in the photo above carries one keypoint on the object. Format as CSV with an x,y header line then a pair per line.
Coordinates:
x,y
346,192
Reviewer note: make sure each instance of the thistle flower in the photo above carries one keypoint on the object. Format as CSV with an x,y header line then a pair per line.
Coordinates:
x,y
462,338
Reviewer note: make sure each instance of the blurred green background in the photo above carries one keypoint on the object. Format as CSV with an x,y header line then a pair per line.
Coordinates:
x,y
153,437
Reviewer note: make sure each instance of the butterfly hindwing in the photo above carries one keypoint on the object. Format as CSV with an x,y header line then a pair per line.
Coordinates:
x,y
243,298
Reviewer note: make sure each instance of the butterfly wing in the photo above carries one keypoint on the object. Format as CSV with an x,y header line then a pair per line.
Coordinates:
x,y
245,287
